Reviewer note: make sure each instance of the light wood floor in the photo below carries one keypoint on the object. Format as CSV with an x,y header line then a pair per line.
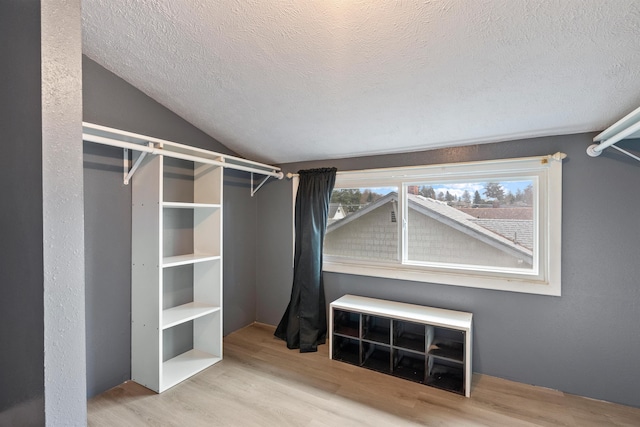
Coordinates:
x,y
262,383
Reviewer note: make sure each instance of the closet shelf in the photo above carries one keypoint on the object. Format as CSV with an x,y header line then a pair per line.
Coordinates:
x,y
183,366
183,313
184,205
149,145
174,261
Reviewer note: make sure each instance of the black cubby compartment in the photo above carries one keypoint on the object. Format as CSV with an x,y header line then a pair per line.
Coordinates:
x,y
376,329
409,365
376,357
346,323
409,335
447,344
346,350
446,375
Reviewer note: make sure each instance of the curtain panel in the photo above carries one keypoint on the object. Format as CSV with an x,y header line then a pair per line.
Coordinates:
x,y
304,323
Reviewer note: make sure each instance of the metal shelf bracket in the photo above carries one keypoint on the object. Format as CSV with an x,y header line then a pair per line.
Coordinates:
x,y
255,190
128,173
149,145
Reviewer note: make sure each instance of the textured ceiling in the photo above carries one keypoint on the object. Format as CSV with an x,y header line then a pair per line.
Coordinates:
x,y
283,81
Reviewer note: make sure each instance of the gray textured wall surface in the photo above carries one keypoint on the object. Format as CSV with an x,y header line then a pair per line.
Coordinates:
x,y
107,223
239,258
274,262
63,214
21,263
110,101
585,342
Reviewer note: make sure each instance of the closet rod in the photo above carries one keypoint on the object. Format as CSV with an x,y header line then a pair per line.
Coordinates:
x,y
595,150
152,150
627,127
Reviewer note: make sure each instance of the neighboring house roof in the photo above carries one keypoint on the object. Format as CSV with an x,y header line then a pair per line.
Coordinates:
x,y
336,212
448,215
391,197
517,230
333,208
500,213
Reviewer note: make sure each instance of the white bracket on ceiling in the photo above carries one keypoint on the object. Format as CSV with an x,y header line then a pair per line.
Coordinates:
x,y
255,190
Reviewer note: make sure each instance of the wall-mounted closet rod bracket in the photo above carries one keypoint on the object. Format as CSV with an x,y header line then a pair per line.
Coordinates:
x,y
633,156
128,173
149,145
255,190
125,165
627,127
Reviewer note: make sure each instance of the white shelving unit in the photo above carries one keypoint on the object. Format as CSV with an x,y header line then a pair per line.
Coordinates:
x,y
176,274
176,270
428,345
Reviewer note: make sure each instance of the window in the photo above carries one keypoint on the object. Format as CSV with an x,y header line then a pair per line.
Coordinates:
x,y
491,224
367,230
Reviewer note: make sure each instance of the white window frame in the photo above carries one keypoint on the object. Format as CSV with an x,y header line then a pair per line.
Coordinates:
x,y
543,279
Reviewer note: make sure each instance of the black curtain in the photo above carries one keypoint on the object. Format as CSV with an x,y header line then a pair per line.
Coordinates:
x,y
304,323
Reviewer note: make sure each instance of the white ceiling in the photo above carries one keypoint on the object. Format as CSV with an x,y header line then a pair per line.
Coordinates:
x,y
283,81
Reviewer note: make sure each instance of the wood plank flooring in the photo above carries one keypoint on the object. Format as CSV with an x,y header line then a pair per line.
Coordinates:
x,y
262,383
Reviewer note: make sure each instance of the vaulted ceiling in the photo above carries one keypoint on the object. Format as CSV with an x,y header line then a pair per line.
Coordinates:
x,y
283,81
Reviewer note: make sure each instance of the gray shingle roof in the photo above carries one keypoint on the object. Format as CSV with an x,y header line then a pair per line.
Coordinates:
x,y
466,222
477,228
516,230
333,208
500,213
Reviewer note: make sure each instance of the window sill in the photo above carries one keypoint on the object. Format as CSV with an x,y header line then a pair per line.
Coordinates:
x,y
414,273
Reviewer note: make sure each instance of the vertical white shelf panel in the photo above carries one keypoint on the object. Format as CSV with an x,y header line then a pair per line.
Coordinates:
x,y
146,274
163,322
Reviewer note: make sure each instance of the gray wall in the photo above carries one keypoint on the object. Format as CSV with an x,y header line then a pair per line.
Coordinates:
x,y
21,263
274,263
239,257
110,101
41,249
585,342
107,223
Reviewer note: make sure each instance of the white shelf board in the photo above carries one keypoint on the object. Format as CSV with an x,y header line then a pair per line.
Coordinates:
x,y
174,261
183,313
409,312
184,366
90,130
184,205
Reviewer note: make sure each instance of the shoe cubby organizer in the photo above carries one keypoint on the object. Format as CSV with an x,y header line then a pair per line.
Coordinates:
x,y
427,345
